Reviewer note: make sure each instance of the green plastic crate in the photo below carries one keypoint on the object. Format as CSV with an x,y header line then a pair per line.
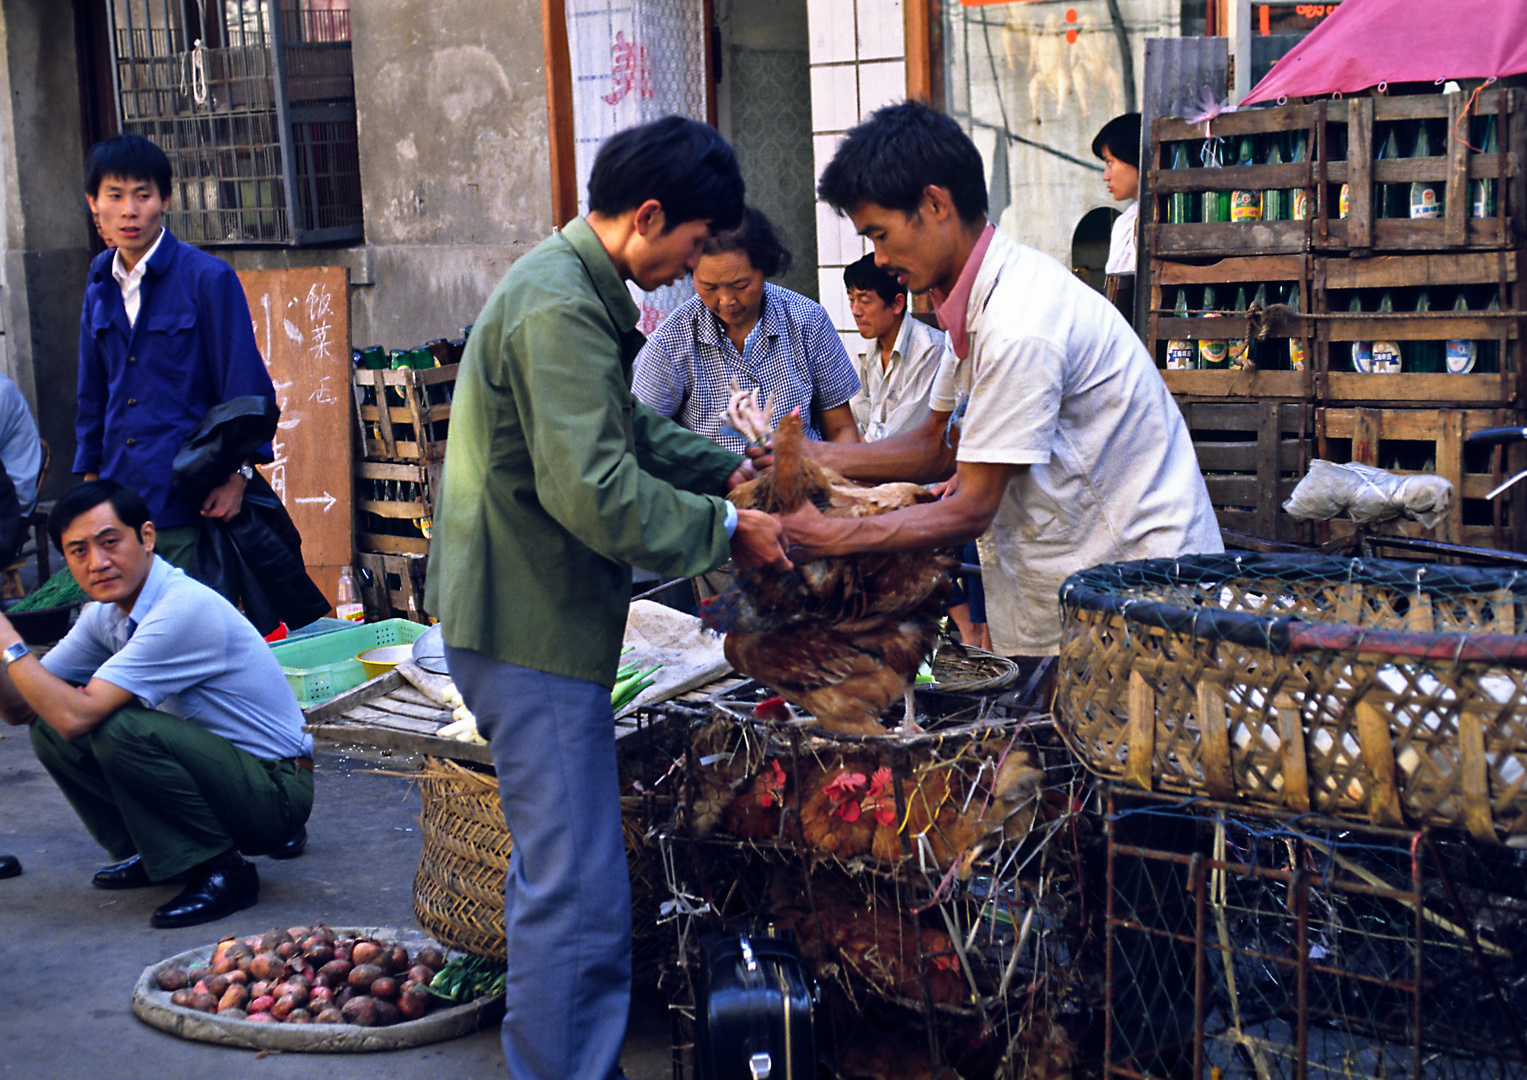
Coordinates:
x,y
322,666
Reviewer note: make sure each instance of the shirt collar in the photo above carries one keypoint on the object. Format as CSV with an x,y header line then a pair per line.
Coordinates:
x,y
159,573
713,330
952,311
124,275
607,283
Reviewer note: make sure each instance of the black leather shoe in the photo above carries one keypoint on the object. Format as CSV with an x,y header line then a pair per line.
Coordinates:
x,y
127,874
10,866
209,895
291,847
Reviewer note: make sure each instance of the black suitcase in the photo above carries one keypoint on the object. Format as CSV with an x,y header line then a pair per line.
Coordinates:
x,y
753,1013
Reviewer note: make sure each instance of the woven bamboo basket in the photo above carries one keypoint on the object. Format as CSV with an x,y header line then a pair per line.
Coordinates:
x,y
1388,690
459,887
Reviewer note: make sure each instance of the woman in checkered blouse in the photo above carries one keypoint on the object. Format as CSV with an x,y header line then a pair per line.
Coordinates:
x,y
739,327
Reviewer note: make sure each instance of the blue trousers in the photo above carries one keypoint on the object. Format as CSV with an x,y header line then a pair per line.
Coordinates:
x,y
567,902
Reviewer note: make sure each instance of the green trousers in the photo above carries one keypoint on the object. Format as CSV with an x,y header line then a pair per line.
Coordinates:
x,y
175,794
177,546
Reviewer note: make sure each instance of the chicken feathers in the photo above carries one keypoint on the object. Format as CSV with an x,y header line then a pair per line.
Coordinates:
x,y
840,637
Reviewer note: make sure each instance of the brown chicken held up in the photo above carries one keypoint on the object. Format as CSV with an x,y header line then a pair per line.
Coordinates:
x,y
840,637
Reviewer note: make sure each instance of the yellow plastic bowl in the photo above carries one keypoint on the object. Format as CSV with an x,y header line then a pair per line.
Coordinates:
x,y
383,659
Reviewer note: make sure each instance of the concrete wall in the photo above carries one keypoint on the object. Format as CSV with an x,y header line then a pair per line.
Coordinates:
x,y
455,174
43,222
451,106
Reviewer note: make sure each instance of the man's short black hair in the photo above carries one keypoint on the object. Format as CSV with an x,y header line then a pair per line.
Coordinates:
x,y
683,164
757,238
1121,138
901,149
130,508
865,276
132,157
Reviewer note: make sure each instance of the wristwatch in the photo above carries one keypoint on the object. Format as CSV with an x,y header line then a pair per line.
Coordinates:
x,y
245,470
14,652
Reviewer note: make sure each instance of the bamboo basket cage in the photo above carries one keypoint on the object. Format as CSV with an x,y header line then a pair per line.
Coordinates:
x,y
1387,690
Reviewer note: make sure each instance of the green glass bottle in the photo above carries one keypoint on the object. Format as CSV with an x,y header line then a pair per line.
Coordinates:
x,y
1425,356
1240,348
1489,349
373,358
1181,353
1297,352
1386,354
1275,200
1460,356
1299,207
1215,206
1390,195
1245,204
1425,195
1362,351
1482,192
1213,353
1180,204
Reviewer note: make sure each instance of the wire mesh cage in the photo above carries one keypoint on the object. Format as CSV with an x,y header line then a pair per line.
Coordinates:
x,y
933,882
1391,691
253,101
1265,946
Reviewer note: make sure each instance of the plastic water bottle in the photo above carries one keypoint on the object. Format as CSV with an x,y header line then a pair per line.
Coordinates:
x,y
347,599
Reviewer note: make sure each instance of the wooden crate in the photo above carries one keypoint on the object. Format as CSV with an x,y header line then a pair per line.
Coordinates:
x,y
392,586
1209,385
1391,437
1453,164
404,414
1334,282
395,506
1166,239
1252,454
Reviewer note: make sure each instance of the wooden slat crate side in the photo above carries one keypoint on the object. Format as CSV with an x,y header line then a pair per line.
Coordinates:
x,y
1252,454
393,585
411,429
1278,323
388,544
1369,435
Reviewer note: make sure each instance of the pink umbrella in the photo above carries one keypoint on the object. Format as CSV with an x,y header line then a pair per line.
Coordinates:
x,y
1367,42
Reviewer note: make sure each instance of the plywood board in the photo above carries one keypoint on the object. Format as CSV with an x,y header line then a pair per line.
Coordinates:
x,y
302,327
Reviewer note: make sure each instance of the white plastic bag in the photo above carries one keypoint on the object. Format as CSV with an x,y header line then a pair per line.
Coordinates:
x,y
1366,493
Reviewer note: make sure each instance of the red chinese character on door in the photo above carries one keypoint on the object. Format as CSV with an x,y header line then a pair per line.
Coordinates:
x,y
629,70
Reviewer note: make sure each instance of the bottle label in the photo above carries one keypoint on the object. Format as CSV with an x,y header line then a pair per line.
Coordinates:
x,y
1237,352
1343,202
1213,354
1300,208
1461,356
1362,356
1482,203
1180,354
1296,354
1424,202
1245,206
1386,357
352,612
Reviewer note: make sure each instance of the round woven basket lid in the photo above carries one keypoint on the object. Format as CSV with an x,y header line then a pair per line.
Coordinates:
x,y
969,670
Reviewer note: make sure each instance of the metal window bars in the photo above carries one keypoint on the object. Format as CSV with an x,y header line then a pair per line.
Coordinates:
x,y
254,103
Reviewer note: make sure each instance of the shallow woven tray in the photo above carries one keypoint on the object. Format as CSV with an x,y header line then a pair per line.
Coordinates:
x,y
152,1005
1389,690
972,670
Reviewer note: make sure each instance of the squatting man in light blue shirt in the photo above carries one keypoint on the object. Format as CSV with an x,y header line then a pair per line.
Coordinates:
x,y
163,717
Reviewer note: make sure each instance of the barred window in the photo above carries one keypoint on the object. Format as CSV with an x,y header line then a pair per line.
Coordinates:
x,y
254,102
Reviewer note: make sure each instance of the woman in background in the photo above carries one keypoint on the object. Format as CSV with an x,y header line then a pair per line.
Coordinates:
x,y
740,328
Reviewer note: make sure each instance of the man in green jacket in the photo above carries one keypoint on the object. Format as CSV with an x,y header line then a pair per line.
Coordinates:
x,y
557,481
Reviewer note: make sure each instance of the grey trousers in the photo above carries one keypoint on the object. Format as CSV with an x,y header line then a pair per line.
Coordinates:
x,y
567,902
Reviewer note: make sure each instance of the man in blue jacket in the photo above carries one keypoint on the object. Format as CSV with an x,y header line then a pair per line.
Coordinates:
x,y
165,334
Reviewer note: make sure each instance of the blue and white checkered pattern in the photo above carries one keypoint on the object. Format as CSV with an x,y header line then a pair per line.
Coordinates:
x,y
687,366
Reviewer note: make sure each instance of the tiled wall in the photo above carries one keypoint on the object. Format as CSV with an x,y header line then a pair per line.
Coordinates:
x,y
858,63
